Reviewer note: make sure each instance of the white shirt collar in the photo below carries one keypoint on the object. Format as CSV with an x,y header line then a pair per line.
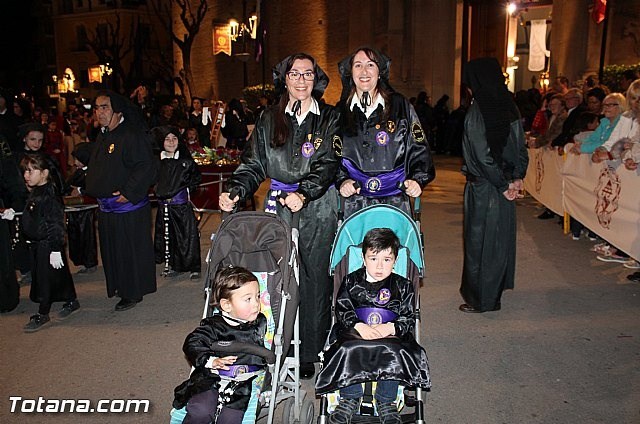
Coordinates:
x,y
167,155
379,100
300,118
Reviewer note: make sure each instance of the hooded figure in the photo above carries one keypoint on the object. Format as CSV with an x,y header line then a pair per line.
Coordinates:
x,y
121,173
385,153
177,240
292,144
495,162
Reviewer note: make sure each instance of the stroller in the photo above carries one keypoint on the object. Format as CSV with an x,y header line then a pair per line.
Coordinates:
x,y
264,244
346,257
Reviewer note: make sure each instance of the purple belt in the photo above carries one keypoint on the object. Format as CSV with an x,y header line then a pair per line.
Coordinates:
x,y
384,184
274,188
373,316
236,370
109,204
180,198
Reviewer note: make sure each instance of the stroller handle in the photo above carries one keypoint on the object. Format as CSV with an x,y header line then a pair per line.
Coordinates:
x,y
235,191
235,347
295,216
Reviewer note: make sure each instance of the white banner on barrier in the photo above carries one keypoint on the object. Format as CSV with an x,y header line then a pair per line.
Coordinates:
x,y
604,197
544,178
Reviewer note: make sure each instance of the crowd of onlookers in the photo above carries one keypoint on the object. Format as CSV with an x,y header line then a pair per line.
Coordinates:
x,y
591,120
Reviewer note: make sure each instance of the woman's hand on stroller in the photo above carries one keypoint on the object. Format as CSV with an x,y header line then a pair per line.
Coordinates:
x,y
294,201
226,203
223,363
349,187
412,188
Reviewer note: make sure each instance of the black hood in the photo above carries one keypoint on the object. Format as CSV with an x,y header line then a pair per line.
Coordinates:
x,y
320,82
344,68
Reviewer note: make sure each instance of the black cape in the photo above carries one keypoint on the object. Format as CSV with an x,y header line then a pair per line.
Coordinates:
x,y
198,348
351,360
318,219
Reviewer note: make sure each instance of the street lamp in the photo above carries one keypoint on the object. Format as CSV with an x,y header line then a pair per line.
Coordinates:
x,y
237,29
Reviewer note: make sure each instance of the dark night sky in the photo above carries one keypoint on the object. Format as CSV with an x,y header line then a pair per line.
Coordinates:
x,y
16,41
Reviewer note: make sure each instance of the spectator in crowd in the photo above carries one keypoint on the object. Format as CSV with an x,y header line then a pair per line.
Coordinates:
x,y
54,146
560,85
627,127
541,120
22,111
263,104
575,106
71,141
166,116
424,110
121,172
441,115
455,130
201,122
8,123
558,109
613,106
375,153
234,127
141,97
192,142
628,76
248,113
293,146
595,97
495,163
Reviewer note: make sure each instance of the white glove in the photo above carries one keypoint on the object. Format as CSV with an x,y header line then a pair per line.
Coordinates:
x,y
55,259
8,214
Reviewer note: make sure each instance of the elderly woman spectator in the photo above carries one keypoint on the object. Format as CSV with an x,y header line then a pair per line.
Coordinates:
x,y
627,127
558,109
613,105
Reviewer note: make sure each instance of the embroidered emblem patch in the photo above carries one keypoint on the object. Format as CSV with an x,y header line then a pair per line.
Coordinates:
x,y
337,145
112,147
382,138
317,142
374,318
307,149
417,132
373,184
391,126
384,296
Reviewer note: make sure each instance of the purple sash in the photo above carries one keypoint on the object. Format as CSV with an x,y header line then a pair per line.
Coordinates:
x,y
384,184
373,316
274,189
236,370
109,204
180,198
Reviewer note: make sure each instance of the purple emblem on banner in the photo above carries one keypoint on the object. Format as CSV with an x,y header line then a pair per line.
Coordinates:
x,y
384,296
308,150
382,138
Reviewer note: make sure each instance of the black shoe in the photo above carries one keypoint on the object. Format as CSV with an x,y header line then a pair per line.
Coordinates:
x,y
194,276
170,273
68,308
388,413
36,322
125,304
547,214
471,310
89,270
344,411
635,277
307,370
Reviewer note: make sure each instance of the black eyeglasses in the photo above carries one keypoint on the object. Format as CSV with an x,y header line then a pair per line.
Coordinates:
x,y
295,75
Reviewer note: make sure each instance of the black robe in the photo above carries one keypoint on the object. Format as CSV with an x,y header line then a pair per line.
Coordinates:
x,y
407,147
175,175
198,348
81,228
43,227
12,194
123,161
318,219
397,357
489,218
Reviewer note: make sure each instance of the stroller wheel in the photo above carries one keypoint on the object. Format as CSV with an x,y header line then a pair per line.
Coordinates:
x,y
306,412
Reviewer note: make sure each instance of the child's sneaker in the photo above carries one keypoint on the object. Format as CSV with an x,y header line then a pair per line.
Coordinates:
x,y
344,411
36,322
388,413
68,308
194,276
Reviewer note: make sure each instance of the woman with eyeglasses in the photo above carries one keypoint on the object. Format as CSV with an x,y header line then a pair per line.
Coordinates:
x,y
292,144
612,106
385,153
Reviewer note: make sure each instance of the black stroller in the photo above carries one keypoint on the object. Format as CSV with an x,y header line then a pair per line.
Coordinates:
x,y
267,246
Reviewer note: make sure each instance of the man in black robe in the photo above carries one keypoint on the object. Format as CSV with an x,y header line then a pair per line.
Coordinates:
x,y
495,162
122,170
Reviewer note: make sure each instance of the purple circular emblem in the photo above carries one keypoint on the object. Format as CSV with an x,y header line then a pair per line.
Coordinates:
x,y
307,149
382,138
384,296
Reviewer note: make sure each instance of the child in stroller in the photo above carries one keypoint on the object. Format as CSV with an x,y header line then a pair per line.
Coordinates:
x,y
219,388
374,325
